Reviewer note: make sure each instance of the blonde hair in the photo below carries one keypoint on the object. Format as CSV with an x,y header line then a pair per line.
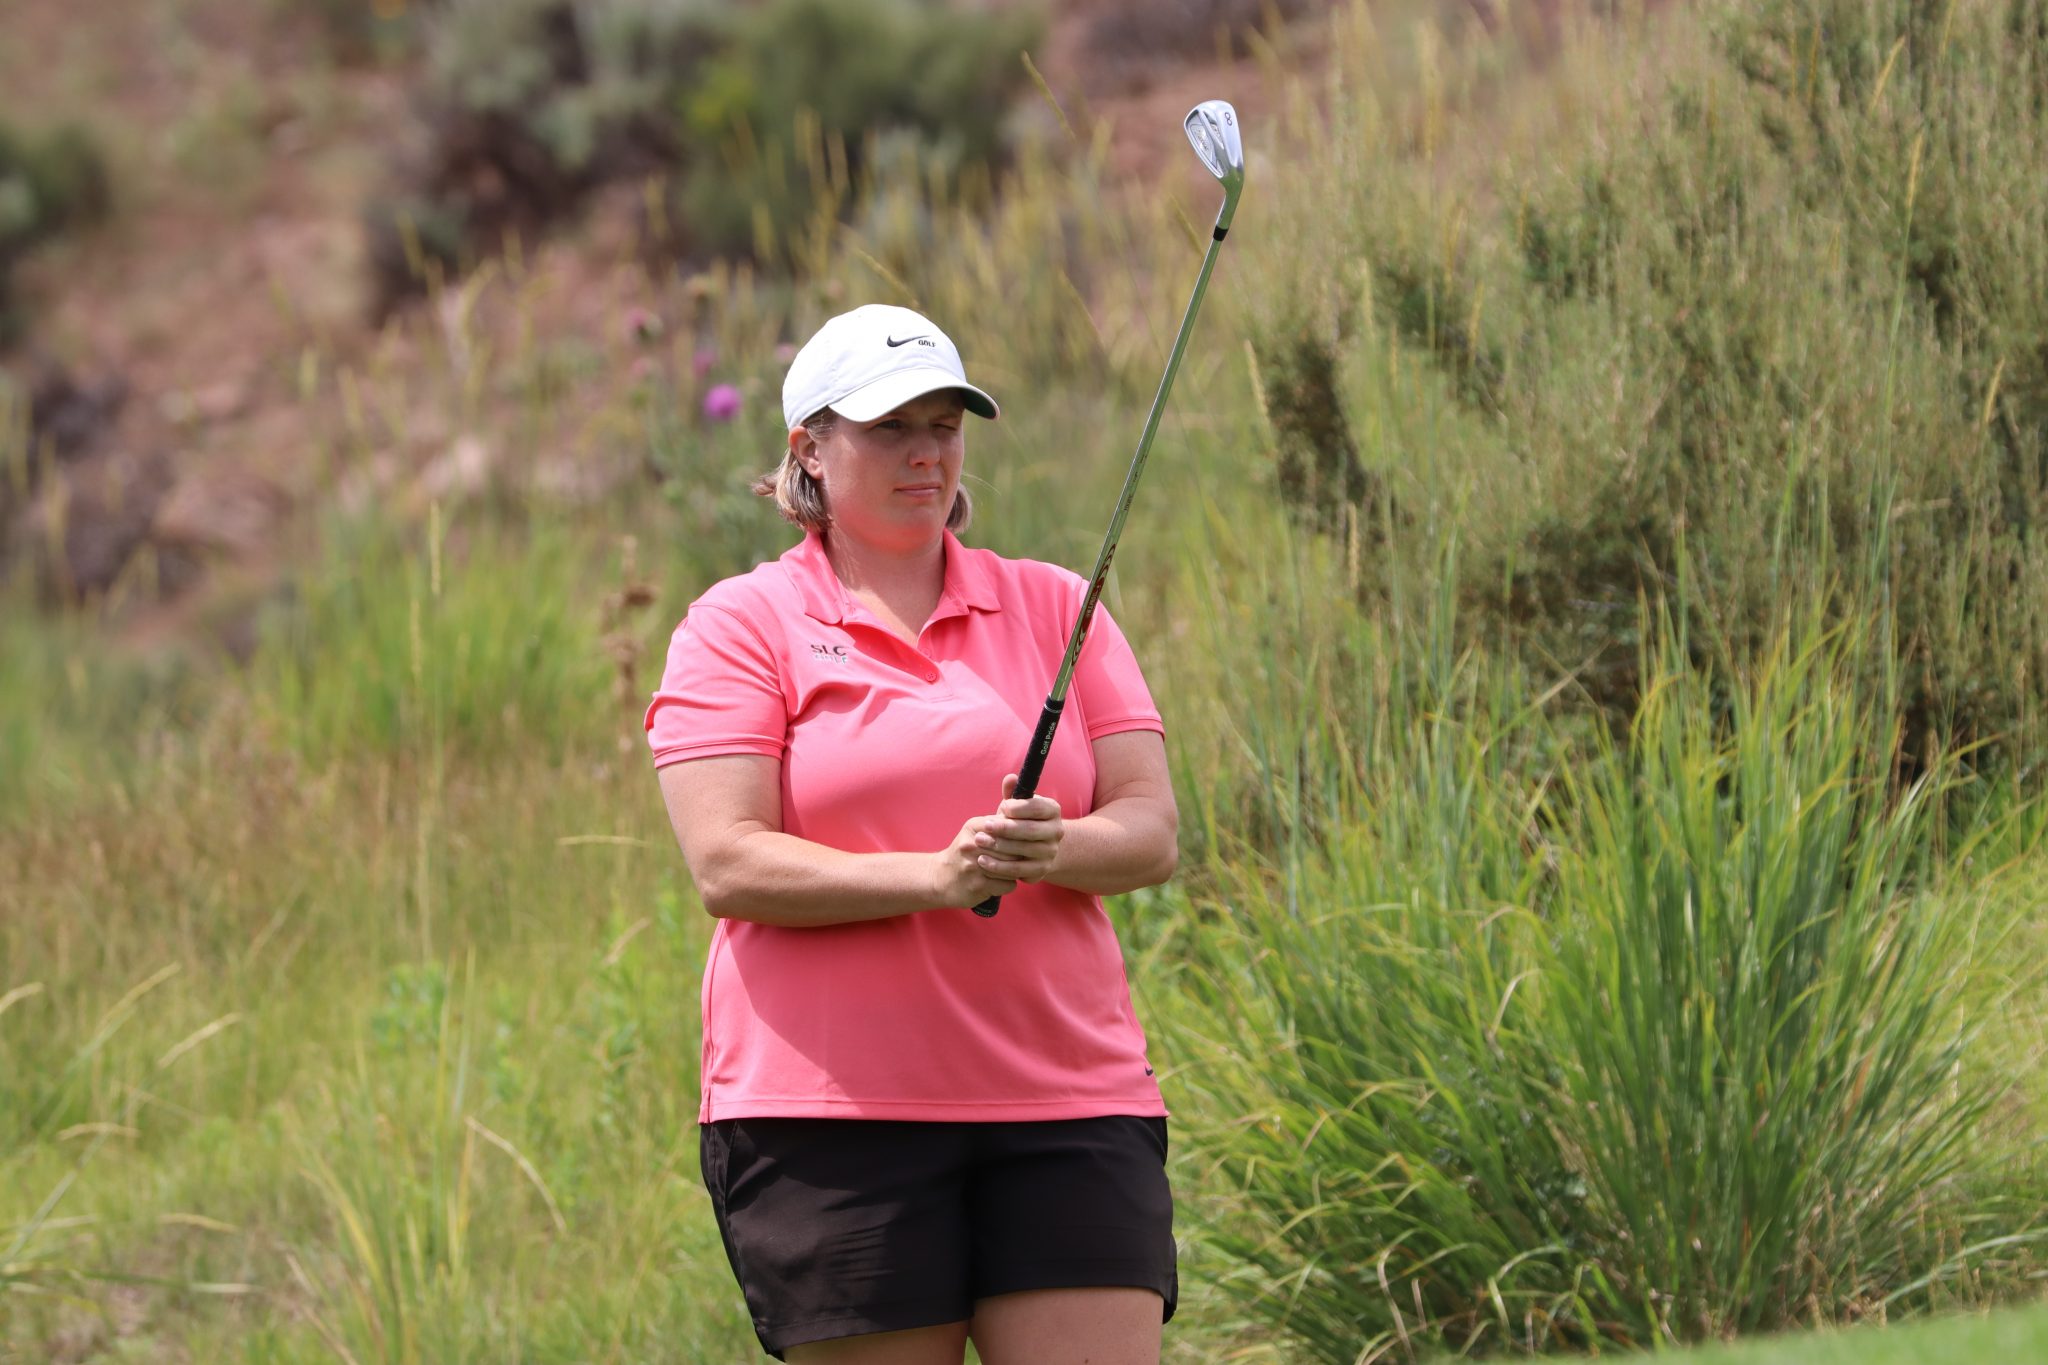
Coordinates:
x,y
801,498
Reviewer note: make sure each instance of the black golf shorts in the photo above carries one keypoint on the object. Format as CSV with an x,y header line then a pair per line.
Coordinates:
x,y
839,1227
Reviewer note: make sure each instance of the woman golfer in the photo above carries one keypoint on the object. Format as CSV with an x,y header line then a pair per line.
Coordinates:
x,y
919,1126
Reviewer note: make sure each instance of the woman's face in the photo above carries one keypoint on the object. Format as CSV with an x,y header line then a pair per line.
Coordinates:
x,y
890,483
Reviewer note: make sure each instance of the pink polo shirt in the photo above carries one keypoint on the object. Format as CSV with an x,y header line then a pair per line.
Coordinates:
x,y
886,746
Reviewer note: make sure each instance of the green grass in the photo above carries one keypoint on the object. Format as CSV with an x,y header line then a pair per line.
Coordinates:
x,y
391,1133
1661,1042
1986,1339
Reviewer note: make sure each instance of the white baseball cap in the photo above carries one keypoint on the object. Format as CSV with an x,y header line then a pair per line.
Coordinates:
x,y
872,360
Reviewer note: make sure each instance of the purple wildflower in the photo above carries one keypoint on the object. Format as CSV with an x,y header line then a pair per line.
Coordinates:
x,y
721,403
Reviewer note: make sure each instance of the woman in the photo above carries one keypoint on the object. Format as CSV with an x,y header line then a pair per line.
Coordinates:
x,y
919,1126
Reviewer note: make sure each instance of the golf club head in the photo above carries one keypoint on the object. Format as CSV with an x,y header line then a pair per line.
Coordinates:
x,y
1212,128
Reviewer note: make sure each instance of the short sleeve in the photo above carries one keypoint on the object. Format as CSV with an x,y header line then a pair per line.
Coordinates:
x,y
721,692
1113,694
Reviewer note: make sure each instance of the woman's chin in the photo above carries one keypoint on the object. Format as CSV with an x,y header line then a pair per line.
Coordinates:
x,y
904,528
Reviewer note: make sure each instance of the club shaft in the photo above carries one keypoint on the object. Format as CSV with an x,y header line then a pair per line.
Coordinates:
x,y
1056,699
1117,518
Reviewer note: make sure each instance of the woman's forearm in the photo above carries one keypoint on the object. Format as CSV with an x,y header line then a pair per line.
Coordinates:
x,y
768,877
1125,844
726,810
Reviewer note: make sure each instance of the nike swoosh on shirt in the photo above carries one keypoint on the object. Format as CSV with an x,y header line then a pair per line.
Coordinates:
x,y
907,340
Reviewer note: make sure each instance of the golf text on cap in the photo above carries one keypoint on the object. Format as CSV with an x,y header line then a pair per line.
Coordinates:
x,y
871,361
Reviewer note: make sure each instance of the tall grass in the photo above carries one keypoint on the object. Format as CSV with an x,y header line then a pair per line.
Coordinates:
x,y
482,647
1765,259
1658,1044
306,1098
75,716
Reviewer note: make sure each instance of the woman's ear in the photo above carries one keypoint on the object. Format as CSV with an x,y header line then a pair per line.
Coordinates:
x,y
804,450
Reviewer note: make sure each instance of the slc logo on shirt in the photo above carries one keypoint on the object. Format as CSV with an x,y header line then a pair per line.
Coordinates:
x,y
830,654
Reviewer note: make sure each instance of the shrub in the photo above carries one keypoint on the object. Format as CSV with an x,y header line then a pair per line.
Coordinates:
x,y
1776,324
1663,1048
1315,457
808,93
529,105
762,115
48,184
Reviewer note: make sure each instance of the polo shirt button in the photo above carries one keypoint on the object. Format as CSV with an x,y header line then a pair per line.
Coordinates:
x,y
931,675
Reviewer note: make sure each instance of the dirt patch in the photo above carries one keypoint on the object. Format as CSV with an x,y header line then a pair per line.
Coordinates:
x,y
1138,69
240,164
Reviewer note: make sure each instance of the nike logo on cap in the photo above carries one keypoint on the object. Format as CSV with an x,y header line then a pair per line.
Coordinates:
x,y
907,340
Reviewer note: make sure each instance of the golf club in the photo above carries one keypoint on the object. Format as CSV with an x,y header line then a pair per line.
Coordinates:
x,y
1212,127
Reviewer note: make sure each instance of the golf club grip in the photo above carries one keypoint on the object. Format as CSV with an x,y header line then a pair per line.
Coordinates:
x,y
1027,776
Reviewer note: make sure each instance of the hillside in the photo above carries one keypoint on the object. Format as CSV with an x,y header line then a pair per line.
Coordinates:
x,y
212,350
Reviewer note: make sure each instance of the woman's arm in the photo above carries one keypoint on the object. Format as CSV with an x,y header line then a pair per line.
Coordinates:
x,y
1130,837
727,814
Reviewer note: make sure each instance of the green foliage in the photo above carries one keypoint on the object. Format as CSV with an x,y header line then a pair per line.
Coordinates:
x,y
1962,1339
809,94
1781,321
763,116
396,648
1660,1045
574,79
48,184
355,1057
1315,456
404,1196
76,718
414,1008
530,105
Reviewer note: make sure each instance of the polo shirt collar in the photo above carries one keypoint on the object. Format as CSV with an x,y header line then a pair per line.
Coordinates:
x,y
968,581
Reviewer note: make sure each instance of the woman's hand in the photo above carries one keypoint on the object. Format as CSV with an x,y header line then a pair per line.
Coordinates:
x,y
992,853
1021,841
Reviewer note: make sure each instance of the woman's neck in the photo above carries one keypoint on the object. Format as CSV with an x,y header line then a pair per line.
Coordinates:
x,y
902,588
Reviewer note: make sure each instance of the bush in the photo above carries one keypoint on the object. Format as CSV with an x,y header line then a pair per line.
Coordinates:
x,y
48,184
1776,319
761,115
808,93
1665,1049
530,104
1315,457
